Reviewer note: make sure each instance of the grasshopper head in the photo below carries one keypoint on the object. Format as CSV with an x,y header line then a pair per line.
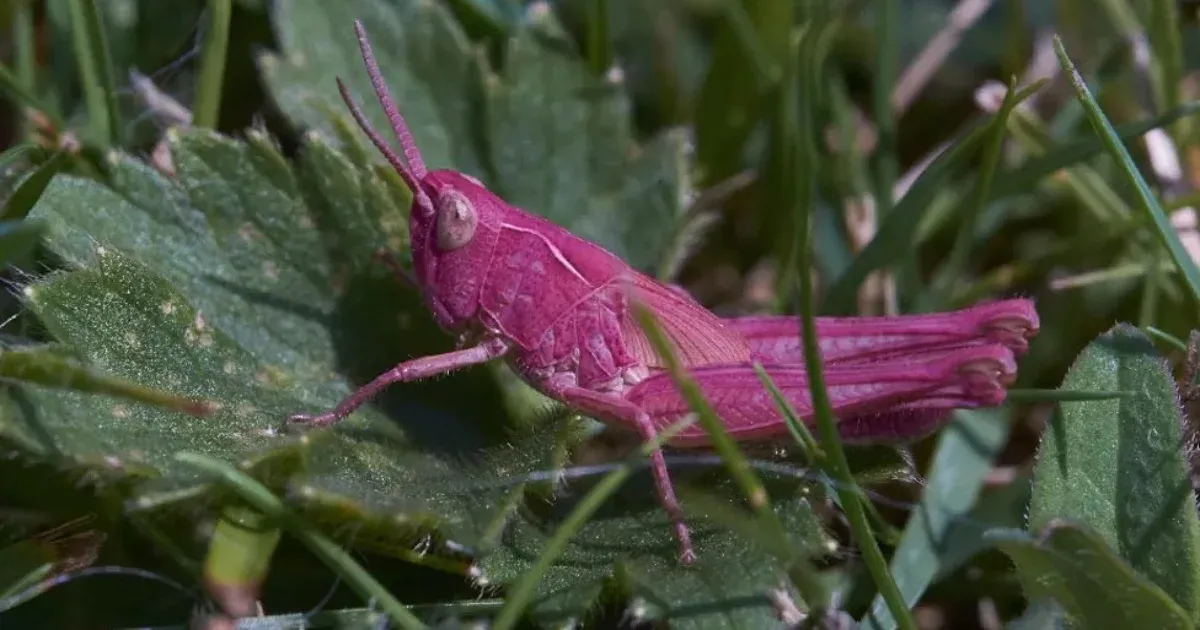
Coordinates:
x,y
453,236
454,221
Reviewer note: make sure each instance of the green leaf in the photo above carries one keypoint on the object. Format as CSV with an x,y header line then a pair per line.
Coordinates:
x,y
543,133
433,74
751,41
1044,614
18,238
1117,465
1095,588
25,192
221,285
964,456
726,588
561,146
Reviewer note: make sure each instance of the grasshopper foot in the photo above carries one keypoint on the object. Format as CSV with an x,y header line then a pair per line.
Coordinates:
x,y
311,421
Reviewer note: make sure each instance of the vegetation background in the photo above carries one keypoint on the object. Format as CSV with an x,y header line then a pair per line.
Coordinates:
x,y
188,212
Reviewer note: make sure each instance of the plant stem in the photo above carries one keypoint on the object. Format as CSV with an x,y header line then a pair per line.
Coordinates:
x,y
207,110
95,68
835,457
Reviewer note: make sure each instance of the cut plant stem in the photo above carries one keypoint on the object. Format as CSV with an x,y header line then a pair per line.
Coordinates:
x,y
261,499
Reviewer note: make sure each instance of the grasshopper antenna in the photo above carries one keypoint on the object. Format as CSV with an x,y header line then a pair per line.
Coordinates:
x,y
412,172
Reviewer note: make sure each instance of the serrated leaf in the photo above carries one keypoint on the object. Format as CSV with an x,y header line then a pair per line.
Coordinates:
x,y
251,284
561,146
543,133
1096,588
434,76
1118,465
726,588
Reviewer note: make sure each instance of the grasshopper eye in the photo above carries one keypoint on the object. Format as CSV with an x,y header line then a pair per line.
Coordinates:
x,y
456,220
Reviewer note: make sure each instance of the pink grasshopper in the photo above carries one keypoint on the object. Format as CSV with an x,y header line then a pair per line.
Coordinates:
x,y
513,285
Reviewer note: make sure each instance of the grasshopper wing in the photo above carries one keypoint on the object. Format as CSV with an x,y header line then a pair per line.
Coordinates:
x,y
887,400
699,336
777,339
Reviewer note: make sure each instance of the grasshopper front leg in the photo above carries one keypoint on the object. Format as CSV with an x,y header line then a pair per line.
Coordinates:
x,y
413,370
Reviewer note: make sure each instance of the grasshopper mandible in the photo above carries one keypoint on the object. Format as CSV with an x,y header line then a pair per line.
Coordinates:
x,y
556,307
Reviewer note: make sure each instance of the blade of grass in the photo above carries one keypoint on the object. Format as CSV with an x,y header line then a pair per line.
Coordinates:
x,y
239,556
31,187
25,63
1148,310
261,499
19,92
1166,337
796,426
25,45
965,454
896,231
885,161
750,36
95,66
523,591
1086,183
1112,234
735,461
726,448
599,44
801,204
1020,179
1148,202
952,269
746,35
813,50
780,184
1115,273
1061,395
18,238
1165,39
813,452
212,64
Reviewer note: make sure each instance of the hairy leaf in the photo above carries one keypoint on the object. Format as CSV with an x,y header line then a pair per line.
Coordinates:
x,y
1117,464
1095,588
